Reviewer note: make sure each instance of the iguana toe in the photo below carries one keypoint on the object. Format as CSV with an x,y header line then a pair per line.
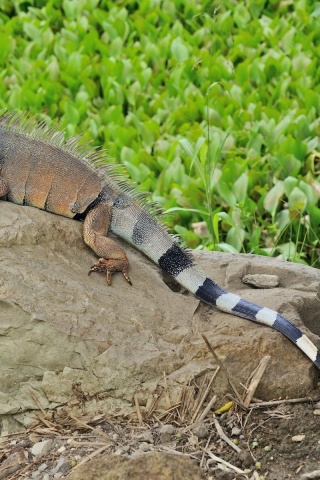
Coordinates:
x,y
109,267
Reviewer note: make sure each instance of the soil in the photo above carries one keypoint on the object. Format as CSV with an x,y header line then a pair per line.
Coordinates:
x,y
279,441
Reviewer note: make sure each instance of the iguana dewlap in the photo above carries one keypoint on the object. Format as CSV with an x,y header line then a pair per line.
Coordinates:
x,y
41,169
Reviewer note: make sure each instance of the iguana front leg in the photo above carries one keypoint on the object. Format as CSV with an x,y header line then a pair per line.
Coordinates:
x,y
4,187
113,258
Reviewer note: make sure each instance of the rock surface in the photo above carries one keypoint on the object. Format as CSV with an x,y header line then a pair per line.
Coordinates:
x,y
158,466
69,340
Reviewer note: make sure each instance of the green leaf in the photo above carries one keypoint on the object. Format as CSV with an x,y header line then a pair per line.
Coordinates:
x,y
273,197
31,30
235,237
240,187
288,250
297,200
289,184
282,219
226,218
227,248
314,213
226,193
241,15
309,192
187,146
179,50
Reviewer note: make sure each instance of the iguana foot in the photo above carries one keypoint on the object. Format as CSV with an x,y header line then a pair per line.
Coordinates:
x,y
111,266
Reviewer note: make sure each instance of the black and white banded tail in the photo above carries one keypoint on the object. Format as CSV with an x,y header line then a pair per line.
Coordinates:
x,y
147,235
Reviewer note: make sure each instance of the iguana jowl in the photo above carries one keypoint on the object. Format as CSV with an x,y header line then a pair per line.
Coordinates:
x,y
41,169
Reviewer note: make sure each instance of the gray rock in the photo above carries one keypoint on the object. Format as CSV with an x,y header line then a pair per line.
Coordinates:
x,y
145,437
62,466
59,327
170,429
41,448
202,430
261,280
165,437
145,447
42,467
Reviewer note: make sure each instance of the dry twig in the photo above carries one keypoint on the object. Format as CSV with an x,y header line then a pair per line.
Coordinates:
x,y
224,437
282,402
136,403
207,409
214,458
256,377
234,389
204,396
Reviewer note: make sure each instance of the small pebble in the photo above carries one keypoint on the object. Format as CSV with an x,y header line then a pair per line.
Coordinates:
x,y
245,458
170,429
63,466
145,447
202,430
41,448
316,411
261,280
193,440
146,437
235,432
298,438
165,437
119,451
61,449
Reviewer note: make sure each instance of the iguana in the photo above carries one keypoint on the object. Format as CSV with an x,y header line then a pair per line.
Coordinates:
x,y
38,167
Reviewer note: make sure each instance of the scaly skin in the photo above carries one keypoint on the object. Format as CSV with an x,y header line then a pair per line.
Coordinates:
x,y
40,169
114,259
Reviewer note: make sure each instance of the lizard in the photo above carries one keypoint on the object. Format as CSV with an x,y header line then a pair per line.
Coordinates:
x,y
40,168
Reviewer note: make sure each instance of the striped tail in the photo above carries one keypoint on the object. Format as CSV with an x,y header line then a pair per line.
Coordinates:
x,y
178,264
140,229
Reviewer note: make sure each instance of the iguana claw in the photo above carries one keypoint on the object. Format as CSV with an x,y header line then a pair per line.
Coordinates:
x,y
109,267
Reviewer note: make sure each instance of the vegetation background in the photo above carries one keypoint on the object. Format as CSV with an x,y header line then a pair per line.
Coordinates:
x,y
212,106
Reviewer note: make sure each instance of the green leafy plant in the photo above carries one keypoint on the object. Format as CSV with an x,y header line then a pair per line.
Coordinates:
x,y
213,107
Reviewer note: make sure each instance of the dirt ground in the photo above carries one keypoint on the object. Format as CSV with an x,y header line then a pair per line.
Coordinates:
x,y
273,441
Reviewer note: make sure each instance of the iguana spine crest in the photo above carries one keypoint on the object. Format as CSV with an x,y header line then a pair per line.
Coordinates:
x,y
38,167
